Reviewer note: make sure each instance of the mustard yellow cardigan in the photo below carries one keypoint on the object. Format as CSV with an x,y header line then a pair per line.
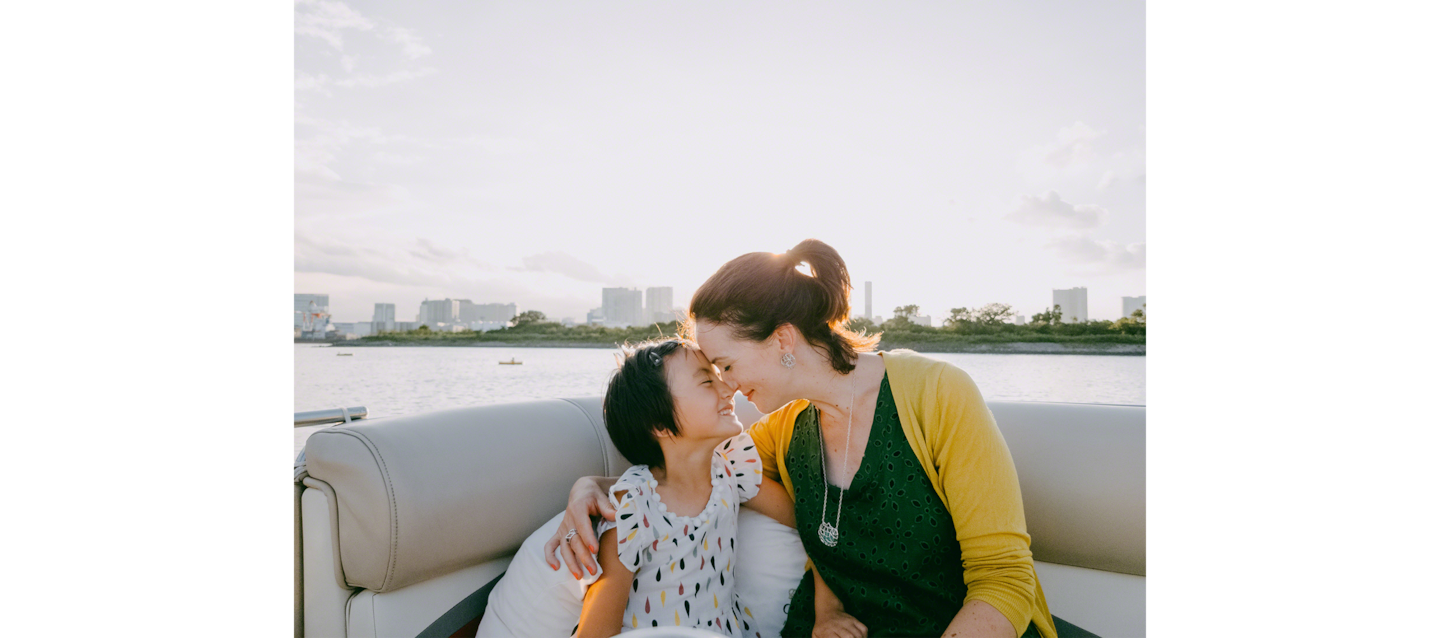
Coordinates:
x,y
954,435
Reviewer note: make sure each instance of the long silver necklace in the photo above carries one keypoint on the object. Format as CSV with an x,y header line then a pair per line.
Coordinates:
x,y
830,534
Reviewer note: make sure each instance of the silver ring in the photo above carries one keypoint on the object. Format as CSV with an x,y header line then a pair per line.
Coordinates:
x,y
570,535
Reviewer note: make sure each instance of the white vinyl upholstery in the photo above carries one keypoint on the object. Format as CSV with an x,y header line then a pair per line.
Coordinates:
x,y
402,517
408,611
1082,478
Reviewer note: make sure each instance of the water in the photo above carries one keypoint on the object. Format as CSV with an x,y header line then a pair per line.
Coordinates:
x,y
399,380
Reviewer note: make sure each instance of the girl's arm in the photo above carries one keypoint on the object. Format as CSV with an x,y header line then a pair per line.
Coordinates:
x,y
589,497
772,500
605,600
830,617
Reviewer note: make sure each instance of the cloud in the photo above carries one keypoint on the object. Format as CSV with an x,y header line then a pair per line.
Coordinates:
x,y
1050,210
327,20
370,81
1073,145
408,41
563,264
1106,256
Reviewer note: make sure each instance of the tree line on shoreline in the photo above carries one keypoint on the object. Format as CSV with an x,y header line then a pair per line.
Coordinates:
x,y
991,323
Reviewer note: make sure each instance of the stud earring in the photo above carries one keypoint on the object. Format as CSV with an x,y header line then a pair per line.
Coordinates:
x,y
787,360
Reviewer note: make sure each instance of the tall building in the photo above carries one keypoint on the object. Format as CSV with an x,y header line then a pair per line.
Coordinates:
x,y
434,312
623,307
596,316
496,312
867,302
384,318
1131,304
660,304
302,306
1074,305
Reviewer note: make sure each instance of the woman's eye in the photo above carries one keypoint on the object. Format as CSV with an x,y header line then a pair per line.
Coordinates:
x,y
727,368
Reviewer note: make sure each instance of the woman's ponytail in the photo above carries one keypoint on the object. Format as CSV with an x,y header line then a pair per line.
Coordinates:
x,y
757,292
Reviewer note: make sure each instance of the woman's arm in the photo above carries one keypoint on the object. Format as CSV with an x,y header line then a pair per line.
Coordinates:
x,y
831,621
605,600
772,500
978,619
590,496
978,481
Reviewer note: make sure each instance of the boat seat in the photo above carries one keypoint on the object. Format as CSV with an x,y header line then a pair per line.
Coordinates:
x,y
404,522
395,505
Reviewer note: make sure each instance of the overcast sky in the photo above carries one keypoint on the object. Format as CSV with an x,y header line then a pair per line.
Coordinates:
x,y
955,154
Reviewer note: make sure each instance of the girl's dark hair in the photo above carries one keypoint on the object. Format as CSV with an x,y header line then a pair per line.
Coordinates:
x,y
638,402
757,292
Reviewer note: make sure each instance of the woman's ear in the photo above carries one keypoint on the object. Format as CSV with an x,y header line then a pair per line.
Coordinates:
x,y
785,336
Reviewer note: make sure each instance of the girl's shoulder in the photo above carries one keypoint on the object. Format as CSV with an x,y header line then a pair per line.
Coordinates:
x,y
635,483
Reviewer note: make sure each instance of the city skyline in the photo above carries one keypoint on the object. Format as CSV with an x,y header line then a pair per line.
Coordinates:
x,y
1069,299
538,154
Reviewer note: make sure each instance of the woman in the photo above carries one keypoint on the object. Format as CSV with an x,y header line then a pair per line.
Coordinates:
x,y
906,497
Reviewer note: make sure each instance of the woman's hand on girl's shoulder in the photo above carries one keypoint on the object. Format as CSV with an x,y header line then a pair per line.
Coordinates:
x,y
589,497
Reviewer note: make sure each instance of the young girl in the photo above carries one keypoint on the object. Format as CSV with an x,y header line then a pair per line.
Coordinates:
x,y
668,558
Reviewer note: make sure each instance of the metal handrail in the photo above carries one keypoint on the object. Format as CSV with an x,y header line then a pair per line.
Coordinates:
x,y
323,417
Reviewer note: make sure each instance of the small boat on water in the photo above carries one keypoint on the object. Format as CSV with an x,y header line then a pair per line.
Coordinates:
x,y
511,362
344,354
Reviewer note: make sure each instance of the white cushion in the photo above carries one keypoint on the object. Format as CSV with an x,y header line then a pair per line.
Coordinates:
x,y
769,561
532,599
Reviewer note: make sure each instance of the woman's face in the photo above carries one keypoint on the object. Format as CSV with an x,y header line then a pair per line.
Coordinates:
x,y
704,405
745,366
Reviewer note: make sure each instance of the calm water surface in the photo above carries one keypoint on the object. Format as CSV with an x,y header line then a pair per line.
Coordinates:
x,y
399,380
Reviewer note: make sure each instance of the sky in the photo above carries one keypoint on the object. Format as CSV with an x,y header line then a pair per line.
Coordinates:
x,y
955,155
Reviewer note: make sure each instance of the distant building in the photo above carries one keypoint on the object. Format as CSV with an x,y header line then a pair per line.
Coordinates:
x,y
435,312
568,322
1131,304
868,315
384,318
489,312
302,305
1074,304
623,307
353,330
596,316
660,304
406,326
486,326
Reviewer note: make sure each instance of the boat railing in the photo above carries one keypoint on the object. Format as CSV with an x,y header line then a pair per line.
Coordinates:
x,y
325,417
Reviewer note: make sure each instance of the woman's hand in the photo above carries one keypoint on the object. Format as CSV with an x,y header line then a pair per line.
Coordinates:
x,y
589,497
837,624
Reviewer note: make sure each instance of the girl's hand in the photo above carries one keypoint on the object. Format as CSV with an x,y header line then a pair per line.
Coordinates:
x,y
837,624
587,498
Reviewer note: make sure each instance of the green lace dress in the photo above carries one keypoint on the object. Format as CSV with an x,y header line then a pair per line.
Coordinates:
x,y
897,564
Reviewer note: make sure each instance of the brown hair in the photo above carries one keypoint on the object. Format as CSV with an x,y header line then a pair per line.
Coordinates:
x,y
756,293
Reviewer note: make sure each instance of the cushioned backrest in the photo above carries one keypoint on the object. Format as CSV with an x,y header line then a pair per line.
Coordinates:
x,y
424,495
1082,477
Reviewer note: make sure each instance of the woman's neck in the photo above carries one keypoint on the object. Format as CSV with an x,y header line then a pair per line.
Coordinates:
x,y
833,392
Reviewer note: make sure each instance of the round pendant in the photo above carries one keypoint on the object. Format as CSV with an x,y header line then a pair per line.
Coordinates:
x,y
829,535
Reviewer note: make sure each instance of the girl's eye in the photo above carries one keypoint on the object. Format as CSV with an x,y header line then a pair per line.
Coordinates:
x,y
727,368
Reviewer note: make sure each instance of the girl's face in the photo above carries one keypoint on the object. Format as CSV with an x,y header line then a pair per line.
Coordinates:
x,y
703,404
745,366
